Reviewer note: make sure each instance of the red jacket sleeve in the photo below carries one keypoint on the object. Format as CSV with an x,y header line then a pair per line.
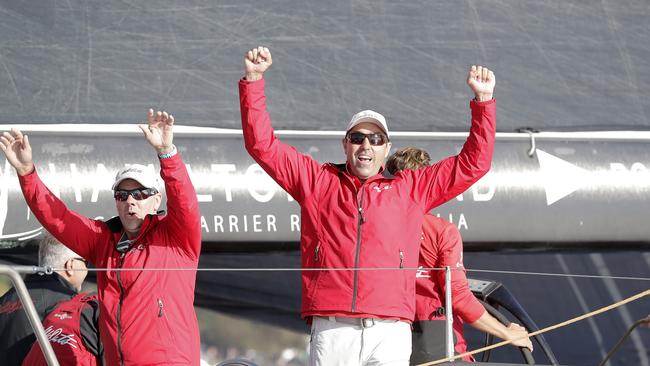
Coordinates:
x,y
450,253
292,170
183,220
450,177
75,231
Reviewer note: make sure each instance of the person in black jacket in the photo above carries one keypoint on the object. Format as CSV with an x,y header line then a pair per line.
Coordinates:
x,y
46,291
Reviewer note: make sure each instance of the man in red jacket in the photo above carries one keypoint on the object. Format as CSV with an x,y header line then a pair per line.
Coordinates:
x,y
16,332
146,317
72,329
356,216
442,246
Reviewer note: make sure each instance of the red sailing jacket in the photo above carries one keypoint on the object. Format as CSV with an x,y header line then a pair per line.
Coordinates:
x,y
65,330
346,224
146,317
442,246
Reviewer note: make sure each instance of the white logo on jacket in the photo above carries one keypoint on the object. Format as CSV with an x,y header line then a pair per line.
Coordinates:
x,y
63,316
422,273
381,189
57,336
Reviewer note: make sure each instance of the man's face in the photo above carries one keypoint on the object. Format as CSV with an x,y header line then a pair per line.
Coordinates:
x,y
78,271
365,160
132,212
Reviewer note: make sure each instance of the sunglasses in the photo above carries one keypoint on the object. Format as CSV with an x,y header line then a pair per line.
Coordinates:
x,y
375,139
139,194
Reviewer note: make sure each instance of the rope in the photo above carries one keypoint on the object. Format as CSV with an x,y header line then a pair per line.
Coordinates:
x,y
559,275
258,269
547,329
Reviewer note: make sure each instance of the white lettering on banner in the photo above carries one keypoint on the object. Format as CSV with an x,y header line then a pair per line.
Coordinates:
x,y
57,336
250,181
617,167
270,223
295,223
100,171
99,179
232,221
258,179
204,224
636,167
199,197
258,224
482,183
218,224
75,182
223,175
462,221
483,190
52,186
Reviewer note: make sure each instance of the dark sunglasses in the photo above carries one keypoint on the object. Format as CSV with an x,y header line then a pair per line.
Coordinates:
x,y
138,194
375,139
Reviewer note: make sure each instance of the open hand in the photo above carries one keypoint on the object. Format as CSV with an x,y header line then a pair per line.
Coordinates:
x,y
16,148
159,132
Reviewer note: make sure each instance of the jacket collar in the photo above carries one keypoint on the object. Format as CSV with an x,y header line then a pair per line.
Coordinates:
x,y
115,225
32,278
342,168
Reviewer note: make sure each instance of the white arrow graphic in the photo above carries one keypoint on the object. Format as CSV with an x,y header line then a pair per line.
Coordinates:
x,y
560,178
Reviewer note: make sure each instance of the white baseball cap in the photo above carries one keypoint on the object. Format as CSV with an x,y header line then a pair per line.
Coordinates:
x,y
139,173
368,116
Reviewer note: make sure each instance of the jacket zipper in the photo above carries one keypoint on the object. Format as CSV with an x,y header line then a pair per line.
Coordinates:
x,y
119,310
360,221
160,308
316,253
401,259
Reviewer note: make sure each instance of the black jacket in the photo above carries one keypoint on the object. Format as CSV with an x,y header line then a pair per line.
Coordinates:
x,y
16,334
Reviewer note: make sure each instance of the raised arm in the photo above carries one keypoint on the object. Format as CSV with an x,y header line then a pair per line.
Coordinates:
x,y
77,232
183,220
449,177
292,170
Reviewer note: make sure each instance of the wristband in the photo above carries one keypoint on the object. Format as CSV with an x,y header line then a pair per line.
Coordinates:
x,y
169,154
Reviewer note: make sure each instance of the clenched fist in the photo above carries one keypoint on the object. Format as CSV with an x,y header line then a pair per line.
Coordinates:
x,y
256,62
481,80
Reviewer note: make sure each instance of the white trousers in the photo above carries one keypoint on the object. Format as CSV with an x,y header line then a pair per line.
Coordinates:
x,y
336,342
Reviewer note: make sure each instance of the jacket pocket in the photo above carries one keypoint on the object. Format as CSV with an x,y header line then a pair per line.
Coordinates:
x,y
404,275
163,322
161,308
317,254
316,262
